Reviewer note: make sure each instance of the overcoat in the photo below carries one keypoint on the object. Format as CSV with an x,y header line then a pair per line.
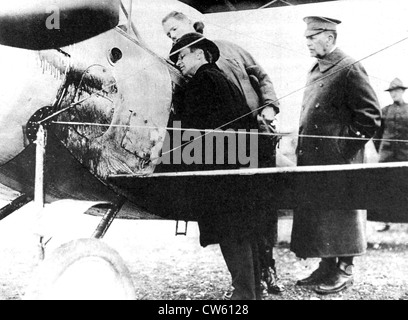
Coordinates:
x,y
210,101
394,125
251,79
338,102
257,88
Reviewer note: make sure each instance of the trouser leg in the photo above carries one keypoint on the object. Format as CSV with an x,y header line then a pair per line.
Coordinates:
x,y
238,255
266,245
256,254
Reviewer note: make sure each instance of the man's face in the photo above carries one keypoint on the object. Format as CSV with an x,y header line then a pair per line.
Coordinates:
x,y
175,28
397,94
188,62
318,45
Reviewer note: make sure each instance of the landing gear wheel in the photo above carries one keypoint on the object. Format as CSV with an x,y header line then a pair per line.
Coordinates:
x,y
83,269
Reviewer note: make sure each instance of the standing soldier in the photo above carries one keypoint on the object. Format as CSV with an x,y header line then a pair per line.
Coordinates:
x,y
338,102
394,126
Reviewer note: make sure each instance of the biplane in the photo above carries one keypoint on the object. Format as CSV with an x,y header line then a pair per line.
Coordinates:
x,y
87,92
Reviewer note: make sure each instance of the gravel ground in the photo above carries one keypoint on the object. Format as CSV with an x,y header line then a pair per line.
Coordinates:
x,y
164,266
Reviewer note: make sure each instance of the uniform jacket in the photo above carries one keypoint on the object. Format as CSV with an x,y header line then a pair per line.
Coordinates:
x,y
394,125
242,69
210,101
338,101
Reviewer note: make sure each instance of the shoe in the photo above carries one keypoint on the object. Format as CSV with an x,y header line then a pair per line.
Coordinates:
x,y
269,282
318,276
340,280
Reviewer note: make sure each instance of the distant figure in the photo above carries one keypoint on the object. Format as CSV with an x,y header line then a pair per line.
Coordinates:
x,y
394,126
338,102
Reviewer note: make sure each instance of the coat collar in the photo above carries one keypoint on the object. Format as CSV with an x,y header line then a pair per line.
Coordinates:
x,y
206,67
330,60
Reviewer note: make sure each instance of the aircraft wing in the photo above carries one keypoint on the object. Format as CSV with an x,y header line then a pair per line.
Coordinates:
x,y
379,187
212,6
361,186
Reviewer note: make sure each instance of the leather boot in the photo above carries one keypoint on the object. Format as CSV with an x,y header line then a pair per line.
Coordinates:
x,y
322,273
340,280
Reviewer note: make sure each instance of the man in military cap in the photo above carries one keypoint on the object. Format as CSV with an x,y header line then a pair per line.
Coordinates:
x,y
394,126
338,102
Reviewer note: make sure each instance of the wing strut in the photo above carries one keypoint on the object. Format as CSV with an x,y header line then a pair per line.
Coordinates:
x,y
108,218
39,196
14,205
41,143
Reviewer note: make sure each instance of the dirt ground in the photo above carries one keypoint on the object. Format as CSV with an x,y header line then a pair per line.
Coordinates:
x,y
166,267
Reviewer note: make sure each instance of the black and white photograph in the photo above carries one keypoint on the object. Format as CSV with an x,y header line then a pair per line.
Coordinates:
x,y
219,151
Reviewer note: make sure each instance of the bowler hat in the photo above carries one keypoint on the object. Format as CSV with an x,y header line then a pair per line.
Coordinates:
x,y
317,25
396,84
196,39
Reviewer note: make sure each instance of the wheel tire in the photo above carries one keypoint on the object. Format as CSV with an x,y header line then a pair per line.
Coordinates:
x,y
82,269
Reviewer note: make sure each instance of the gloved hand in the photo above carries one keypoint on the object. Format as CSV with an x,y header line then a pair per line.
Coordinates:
x,y
268,113
267,123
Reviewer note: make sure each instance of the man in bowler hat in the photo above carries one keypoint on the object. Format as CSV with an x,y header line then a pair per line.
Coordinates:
x,y
254,83
210,100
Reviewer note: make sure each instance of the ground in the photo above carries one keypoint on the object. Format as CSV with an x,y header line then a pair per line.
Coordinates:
x,y
164,266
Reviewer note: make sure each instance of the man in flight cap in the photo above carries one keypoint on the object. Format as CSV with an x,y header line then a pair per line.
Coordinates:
x,y
338,102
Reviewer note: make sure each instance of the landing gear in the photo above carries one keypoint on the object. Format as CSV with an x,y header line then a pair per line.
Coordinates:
x,y
83,268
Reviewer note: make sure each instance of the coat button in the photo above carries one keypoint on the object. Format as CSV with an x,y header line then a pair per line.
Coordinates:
x,y
321,85
317,105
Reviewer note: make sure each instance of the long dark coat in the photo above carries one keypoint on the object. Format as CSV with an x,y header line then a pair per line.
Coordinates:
x,y
394,125
210,101
338,101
